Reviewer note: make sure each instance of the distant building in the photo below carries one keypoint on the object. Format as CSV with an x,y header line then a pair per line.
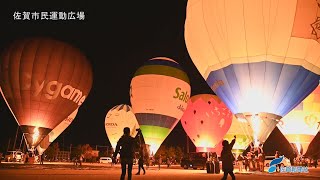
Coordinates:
x,y
63,156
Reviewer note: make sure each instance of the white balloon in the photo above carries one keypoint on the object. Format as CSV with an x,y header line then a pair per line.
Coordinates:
x,y
117,118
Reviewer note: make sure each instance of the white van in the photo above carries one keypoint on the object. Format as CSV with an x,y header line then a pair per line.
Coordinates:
x,y
14,156
105,160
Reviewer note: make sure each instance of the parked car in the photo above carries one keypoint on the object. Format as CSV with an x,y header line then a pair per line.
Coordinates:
x,y
194,161
105,160
285,162
14,156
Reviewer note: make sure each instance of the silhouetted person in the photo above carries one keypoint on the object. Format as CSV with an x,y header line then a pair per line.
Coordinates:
x,y
27,158
261,159
75,161
168,162
315,162
80,160
246,162
160,161
148,162
41,158
251,147
126,146
140,165
227,159
240,162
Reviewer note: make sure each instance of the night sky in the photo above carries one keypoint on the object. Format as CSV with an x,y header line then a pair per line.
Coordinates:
x,y
117,38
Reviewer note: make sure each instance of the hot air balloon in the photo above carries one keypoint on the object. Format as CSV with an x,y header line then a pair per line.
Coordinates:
x,y
45,143
242,129
302,124
218,148
159,93
117,118
260,57
43,80
206,120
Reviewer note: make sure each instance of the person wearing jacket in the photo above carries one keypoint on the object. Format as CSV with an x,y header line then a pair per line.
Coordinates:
x,y
227,159
126,147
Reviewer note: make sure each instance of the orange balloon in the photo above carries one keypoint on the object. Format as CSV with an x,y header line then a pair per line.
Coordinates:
x,y
43,80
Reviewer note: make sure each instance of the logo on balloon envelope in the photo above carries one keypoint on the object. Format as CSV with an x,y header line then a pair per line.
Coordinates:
x,y
316,28
217,84
53,88
111,124
182,96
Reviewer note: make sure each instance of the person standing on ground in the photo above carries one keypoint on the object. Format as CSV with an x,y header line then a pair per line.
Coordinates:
x,y
80,160
41,158
261,162
126,146
140,165
160,161
27,158
315,162
75,161
246,162
148,162
168,162
227,159
240,162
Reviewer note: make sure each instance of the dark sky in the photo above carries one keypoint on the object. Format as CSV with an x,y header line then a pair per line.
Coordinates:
x,y
117,37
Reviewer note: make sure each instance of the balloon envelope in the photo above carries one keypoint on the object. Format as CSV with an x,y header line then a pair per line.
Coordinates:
x,y
159,93
206,120
43,81
45,143
302,124
242,129
218,148
260,57
117,118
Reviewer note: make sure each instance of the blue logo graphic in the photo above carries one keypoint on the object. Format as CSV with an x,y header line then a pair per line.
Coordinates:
x,y
288,169
273,164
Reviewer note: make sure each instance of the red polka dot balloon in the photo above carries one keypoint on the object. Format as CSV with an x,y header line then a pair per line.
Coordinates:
x,y
206,120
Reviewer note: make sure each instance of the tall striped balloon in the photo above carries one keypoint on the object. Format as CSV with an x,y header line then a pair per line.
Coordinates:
x,y
260,57
159,93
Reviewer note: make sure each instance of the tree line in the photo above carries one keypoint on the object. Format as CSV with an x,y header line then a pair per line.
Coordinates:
x,y
51,153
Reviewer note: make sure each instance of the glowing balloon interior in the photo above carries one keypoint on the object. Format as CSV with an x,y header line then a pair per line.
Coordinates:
x,y
242,129
117,118
206,120
159,93
260,57
43,81
45,143
218,148
302,124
